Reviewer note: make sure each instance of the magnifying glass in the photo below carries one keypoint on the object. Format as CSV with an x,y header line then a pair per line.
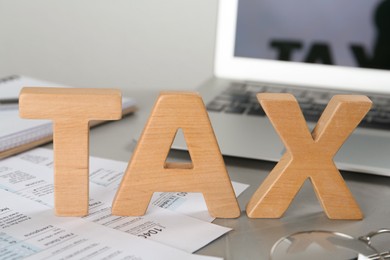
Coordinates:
x,y
319,245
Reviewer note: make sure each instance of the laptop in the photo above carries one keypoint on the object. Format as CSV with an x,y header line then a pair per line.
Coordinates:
x,y
312,49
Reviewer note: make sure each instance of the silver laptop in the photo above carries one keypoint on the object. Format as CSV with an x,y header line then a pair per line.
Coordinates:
x,y
312,49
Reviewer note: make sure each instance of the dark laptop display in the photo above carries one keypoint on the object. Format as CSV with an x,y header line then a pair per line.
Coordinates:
x,y
346,33
352,33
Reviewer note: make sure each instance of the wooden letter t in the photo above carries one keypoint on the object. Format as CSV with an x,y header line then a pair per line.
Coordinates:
x,y
71,110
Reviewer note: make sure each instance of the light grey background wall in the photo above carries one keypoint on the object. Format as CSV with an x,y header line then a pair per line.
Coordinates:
x,y
100,43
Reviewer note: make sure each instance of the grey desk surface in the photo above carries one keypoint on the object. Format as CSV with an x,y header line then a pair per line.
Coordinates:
x,y
253,238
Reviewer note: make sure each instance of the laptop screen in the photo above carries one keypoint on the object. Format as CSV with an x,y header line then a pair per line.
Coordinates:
x,y
353,33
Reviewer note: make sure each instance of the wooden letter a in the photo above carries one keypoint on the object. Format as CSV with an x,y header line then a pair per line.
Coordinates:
x,y
309,156
147,171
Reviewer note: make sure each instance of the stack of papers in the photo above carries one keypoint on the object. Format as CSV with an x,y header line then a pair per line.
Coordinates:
x,y
17,134
31,230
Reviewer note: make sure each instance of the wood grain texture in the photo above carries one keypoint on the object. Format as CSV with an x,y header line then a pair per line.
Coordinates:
x,y
71,110
309,155
148,171
48,139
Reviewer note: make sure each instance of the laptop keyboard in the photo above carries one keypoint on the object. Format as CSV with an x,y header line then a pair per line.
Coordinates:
x,y
241,99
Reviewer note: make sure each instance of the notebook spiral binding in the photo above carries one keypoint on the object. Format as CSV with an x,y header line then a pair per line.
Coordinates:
x,y
9,78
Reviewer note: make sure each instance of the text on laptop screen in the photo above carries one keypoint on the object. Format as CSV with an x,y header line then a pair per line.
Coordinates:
x,y
346,33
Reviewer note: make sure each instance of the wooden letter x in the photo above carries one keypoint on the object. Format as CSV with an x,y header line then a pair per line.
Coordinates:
x,y
148,171
71,110
309,156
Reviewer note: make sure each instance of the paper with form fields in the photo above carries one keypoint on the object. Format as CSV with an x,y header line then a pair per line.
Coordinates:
x,y
17,134
29,230
108,173
30,175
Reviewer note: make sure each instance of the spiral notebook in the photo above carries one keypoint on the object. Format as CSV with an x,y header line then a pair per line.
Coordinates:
x,y
17,134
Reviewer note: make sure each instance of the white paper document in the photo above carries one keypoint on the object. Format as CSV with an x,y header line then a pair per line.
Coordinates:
x,y
30,175
108,174
29,230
